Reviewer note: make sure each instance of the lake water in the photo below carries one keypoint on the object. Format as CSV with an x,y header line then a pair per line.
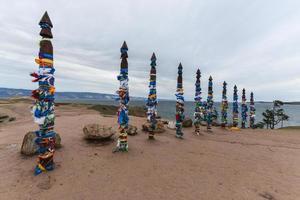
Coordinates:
x,y
166,109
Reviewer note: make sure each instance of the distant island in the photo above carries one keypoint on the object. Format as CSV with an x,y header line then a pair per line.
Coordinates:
x,y
292,103
77,96
285,102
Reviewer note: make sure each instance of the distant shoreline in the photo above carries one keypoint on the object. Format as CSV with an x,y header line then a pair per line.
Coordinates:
x,y
6,93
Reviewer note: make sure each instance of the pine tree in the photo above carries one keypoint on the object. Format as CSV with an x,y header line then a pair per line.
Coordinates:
x,y
179,104
43,109
152,98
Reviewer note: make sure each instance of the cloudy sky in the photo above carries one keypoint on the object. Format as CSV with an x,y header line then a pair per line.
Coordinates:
x,y
254,44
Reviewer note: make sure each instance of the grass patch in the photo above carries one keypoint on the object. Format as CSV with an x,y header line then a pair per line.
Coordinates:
x,y
112,110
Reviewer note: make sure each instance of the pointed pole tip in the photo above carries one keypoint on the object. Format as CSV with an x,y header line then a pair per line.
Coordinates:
x,y
124,45
46,19
153,57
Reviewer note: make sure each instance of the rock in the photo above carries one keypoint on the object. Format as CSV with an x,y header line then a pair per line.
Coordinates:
x,y
29,147
187,122
145,126
11,119
57,141
4,118
215,123
160,128
171,125
98,132
164,121
203,123
132,130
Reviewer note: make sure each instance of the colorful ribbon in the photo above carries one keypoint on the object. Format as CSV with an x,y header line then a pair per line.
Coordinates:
x,y
123,92
244,109
152,99
252,111
210,103
43,109
224,105
235,107
199,108
179,104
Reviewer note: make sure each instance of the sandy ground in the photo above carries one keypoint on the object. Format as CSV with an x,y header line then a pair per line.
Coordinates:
x,y
249,164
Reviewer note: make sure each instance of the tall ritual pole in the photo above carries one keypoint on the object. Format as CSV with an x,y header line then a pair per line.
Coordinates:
x,y
152,98
235,109
210,103
199,112
244,109
252,111
123,93
179,104
43,109
224,105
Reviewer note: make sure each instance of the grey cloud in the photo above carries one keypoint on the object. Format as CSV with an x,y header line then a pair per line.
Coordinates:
x,y
253,44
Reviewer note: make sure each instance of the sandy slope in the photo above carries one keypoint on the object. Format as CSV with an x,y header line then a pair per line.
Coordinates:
x,y
223,165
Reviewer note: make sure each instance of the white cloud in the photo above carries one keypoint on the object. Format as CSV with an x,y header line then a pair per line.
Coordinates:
x,y
253,44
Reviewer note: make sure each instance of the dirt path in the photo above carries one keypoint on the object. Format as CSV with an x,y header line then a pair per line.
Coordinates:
x,y
223,165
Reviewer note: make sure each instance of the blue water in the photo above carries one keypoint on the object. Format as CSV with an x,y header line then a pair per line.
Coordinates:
x,y
166,109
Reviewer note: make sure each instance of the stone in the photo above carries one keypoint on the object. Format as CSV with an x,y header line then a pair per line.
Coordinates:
x,y
57,141
4,118
215,123
98,132
171,125
11,119
165,122
132,130
160,128
29,147
187,122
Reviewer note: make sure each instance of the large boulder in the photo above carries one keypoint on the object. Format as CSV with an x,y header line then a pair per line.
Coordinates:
x,y
187,122
159,127
98,132
29,147
171,125
132,130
